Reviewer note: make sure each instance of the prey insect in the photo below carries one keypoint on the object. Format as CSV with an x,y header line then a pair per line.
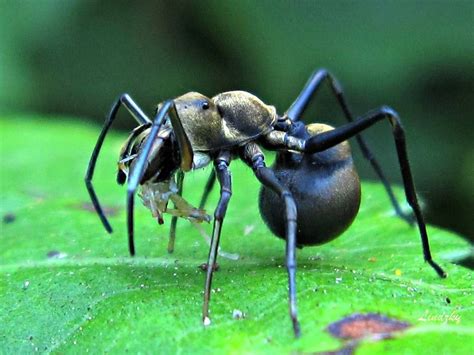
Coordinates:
x,y
310,196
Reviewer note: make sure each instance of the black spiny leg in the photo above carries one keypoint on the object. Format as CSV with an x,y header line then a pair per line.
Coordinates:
x,y
140,117
331,138
221,164
139,169
207,190
267,177
174,220
298,107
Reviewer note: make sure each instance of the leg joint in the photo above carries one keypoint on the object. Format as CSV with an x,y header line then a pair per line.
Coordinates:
x,y
391,114
221,209
221,165
124,98
335,85
321,72
388,111
226,193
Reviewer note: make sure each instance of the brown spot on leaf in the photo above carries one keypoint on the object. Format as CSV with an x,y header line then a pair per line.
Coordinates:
x,y
88,206
55,254
370,325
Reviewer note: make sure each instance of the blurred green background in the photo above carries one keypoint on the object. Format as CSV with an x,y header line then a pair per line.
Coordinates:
x,y
74,57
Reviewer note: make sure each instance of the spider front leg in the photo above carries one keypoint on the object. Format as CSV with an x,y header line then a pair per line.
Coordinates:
x,y
328,139
141,118
139,169
174,220
254,157
302,101
221,164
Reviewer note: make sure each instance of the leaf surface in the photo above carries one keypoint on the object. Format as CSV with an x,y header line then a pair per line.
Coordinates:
x,y
66,285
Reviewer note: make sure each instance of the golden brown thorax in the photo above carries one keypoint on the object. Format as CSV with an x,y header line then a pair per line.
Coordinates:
x,y
228,119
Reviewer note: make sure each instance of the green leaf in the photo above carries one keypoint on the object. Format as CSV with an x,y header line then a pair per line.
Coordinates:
x,y
89,295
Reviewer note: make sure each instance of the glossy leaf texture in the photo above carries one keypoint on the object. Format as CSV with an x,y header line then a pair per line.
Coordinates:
x,y
68,286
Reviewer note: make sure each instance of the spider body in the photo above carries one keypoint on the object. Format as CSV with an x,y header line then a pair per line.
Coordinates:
x,y
325,186
309,196
202,126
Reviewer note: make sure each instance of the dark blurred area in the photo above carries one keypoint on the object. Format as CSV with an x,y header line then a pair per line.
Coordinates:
x,y
74,58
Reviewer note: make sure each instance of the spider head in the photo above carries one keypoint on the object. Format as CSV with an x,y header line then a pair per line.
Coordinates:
x,y
192,115
197,125
195,107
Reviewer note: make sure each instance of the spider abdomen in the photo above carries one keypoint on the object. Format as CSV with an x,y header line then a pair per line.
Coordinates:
x,y
326,189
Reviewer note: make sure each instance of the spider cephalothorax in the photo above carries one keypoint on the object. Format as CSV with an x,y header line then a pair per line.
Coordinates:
x,y
227,120
309,196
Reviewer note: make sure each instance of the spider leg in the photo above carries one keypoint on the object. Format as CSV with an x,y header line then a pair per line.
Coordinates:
x,y
207,190
331,138
141,118
140,166
221,165
174,220
299,105
254,156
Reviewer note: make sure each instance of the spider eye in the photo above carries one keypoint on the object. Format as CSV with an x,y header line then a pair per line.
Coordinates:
x,y
205,105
